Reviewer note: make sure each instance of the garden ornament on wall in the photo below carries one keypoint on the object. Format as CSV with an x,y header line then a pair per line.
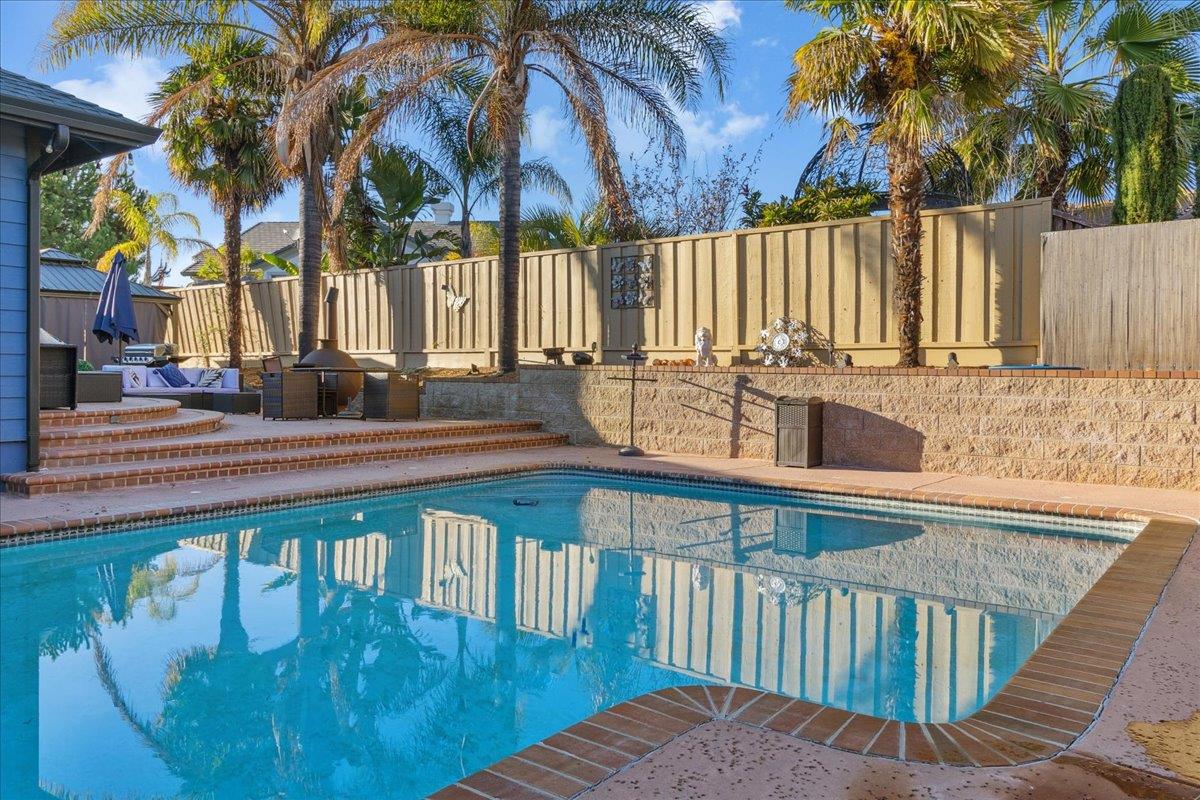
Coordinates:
x,y
704,353
454,300
783,343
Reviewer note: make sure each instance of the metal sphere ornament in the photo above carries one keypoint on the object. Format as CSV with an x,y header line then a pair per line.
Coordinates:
x,y
783,343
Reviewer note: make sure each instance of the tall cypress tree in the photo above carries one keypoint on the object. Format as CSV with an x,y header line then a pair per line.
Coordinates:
x,y
1146,148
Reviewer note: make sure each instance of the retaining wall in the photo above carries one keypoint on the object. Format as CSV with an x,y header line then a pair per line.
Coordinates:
x,y
1088,427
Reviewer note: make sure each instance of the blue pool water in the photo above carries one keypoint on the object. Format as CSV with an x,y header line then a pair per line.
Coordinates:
x,y
386,647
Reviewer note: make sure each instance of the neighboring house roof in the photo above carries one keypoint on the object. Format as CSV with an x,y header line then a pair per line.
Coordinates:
x,y
64,273
96,132
1100,214
263,237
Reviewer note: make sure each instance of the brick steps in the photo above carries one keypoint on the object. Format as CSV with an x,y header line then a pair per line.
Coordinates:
x,y
180,423
86,454
73,479
124,413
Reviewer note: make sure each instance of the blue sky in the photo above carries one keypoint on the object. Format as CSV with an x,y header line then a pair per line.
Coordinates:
x,y
762,33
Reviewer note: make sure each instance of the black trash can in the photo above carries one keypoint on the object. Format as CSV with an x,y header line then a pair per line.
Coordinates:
x,y
798,431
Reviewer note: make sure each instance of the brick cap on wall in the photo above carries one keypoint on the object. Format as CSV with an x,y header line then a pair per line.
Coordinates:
x,y
964,372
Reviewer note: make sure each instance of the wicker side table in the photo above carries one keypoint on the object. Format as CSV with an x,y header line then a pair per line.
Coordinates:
x,y
389,395
289,395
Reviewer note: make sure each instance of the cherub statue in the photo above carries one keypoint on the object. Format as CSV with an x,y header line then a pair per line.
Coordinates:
x,y
704,353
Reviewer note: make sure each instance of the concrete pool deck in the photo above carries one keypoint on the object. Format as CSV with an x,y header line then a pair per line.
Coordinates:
x,y
1141,745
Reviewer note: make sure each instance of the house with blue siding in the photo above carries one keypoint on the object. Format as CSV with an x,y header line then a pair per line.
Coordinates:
x,y
42,130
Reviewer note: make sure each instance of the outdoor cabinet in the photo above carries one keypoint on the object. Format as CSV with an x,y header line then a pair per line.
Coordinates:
x,y
798,431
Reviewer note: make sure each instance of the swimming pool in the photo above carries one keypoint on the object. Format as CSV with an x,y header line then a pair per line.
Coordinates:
x,y
385,647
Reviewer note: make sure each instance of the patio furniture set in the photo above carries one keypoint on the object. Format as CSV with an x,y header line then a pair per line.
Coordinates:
x,y
303,392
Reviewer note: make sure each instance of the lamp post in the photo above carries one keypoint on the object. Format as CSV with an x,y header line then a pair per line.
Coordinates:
x,y
634,357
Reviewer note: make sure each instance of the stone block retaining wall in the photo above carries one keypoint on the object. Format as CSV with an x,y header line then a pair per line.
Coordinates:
x,y
1090,427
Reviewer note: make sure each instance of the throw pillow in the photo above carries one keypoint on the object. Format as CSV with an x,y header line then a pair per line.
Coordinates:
x,y
173,377
131,378
211,379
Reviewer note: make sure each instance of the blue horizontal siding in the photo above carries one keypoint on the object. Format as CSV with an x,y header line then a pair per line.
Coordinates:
x,y
14,283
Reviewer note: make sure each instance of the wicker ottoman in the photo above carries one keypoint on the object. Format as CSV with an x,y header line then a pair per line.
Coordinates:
x,y
98,387
234,402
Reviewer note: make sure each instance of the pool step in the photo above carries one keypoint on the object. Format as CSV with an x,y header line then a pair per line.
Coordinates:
x,y
180,423
73,453
171,471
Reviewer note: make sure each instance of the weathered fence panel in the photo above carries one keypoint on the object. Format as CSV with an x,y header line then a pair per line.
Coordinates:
x,y
1122,298
982,267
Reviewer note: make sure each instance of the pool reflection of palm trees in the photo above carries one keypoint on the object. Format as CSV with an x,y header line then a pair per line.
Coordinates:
x,y
305,706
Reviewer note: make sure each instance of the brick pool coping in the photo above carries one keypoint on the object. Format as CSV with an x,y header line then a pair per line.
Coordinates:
x,y
1050,701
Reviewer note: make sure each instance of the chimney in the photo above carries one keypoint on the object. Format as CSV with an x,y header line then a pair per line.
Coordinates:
x,y
331,318
442,212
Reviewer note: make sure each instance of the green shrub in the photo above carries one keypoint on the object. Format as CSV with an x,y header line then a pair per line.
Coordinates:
x,y
1145,148
832,199
83,365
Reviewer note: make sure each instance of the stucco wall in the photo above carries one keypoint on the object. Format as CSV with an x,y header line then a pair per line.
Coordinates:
x,y
14,280
1085,428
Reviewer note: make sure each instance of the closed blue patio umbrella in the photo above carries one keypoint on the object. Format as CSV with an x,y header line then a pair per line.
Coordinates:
x,y
114,314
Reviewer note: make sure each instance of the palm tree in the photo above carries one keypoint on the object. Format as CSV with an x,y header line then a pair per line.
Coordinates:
x,y
914,69
470,168
217,143
396,189
152,222
1051,138
641,55
302,38
548,228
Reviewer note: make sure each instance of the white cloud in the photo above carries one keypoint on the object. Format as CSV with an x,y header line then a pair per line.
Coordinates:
x,y
124,86
546,129
722,14
766,41
707,131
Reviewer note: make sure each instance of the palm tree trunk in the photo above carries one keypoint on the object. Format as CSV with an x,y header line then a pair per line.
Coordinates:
x,y
510,242
464,227
310,260
906,197
147,272
233,279
1052,178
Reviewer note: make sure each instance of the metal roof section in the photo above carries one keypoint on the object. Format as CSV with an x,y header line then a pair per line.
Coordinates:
x,y
59,278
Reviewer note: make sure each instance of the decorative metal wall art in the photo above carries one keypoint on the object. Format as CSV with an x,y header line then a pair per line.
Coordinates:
x,y
632,282
783,343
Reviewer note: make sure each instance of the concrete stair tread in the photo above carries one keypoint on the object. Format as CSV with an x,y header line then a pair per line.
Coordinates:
x,y
225,445
182,422
76,478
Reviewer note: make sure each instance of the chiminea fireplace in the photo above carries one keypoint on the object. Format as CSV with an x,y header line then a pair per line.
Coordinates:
x,y
328,354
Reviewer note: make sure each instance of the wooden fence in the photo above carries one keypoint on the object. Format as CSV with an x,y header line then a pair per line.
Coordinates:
x,y
981,296
1124,297
69,317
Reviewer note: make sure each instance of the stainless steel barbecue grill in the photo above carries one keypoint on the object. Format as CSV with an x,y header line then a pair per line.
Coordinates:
x,y
148,355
